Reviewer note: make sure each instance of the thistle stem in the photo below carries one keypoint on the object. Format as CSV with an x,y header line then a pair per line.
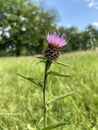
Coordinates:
x,y
47,65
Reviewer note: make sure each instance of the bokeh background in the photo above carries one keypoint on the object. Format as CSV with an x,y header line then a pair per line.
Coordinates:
x,y
25,23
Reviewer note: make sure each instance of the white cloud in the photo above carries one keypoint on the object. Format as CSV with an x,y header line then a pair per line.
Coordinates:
x,y
95,24
92,3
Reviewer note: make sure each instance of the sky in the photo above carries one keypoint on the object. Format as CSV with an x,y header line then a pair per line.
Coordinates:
x,y
78,13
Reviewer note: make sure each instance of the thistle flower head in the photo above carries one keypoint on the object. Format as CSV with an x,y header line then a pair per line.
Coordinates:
x,y
55,42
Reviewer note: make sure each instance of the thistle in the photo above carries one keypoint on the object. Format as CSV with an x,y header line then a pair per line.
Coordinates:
x,y
55,43
51,53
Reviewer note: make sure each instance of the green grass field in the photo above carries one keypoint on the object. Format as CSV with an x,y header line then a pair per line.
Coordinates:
x,y
21,101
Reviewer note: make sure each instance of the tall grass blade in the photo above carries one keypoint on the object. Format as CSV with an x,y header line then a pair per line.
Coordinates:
x,y
3,128
29,112
54,126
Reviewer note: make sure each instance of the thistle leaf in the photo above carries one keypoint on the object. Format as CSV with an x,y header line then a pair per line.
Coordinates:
x,y
40,57
38,62
60,63
60,97
31,80
57,74
53,126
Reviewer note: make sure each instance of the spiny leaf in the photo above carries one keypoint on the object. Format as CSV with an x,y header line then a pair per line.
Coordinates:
x,y
57,74
31,80
60,97
40,57
60,63
38,62
53,126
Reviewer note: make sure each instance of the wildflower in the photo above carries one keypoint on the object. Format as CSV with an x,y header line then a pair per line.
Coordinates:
x,y
55,43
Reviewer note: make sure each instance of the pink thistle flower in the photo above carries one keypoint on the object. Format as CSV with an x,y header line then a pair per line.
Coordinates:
x,y
56,40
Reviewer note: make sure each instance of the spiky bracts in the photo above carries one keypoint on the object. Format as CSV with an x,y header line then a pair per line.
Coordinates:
x,y
51,52
55,42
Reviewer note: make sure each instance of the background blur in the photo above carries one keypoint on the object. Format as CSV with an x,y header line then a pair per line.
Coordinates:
x,y
24,24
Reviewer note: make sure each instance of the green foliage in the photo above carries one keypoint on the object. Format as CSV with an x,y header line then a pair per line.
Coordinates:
x,y
46,73
31,80
59,97
23,26
54,126
80,40
57,74
20,98
62,64
36,63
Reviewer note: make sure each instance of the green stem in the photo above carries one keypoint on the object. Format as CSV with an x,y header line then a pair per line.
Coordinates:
x,y
47,66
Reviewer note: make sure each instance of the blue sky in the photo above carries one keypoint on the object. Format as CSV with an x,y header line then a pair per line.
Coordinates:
x,y
79,13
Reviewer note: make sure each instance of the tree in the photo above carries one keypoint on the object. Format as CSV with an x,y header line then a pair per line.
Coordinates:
x,y
80,40
93,36
23,26
73,34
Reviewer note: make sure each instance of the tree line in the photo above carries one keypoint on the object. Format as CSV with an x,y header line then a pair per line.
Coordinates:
x,y
23,26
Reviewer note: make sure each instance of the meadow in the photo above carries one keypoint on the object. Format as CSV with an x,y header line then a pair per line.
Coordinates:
x,y
21,105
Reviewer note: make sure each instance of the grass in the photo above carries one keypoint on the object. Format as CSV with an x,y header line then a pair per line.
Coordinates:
x,y
21,101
